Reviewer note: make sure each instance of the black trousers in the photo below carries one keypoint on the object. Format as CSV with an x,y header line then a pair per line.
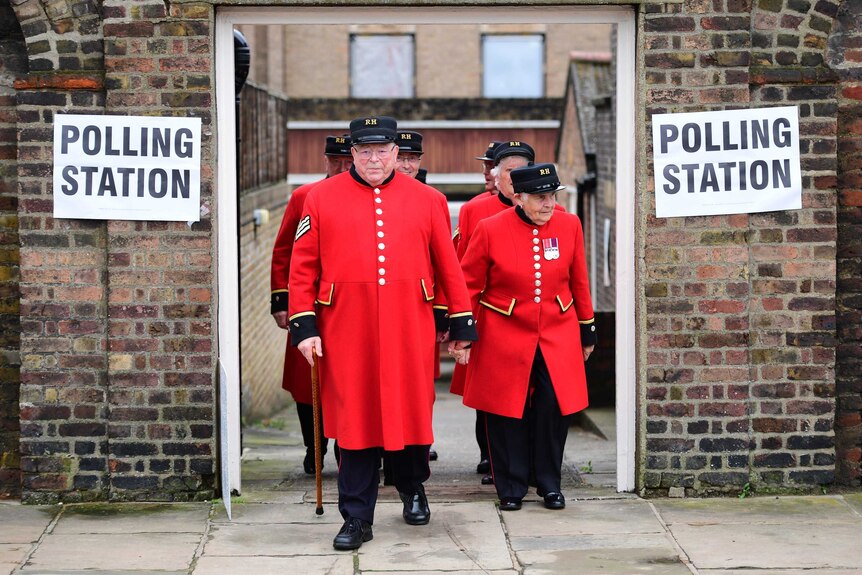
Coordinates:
x,y
481,435
305,412
359,477
537,439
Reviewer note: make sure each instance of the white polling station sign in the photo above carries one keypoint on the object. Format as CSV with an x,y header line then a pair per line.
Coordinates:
x,y
127,168
727,162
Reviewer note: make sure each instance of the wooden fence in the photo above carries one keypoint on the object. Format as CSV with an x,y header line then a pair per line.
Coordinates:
x,y
263,133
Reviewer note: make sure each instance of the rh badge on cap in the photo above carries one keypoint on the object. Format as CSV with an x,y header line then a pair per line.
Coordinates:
x,y
552,248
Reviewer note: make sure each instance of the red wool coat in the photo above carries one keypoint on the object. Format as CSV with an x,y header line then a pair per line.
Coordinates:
x,y
370,257
523,299
456,239
472,213
296,376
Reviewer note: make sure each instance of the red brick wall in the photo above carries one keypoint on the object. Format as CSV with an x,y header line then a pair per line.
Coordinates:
x,y
846,58
13,63
740,310
117,334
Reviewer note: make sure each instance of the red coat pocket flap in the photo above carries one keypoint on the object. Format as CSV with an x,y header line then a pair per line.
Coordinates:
x,y
562,301
500,303
427,289
325,292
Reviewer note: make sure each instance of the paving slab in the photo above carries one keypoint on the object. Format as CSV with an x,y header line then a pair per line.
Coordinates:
x,y
605,541
11,555
24,523
134,518
270,496
87,552
622,561
273,540
276,513
754,510
794,544
582,517
474,570
779,572
110,571
460,537
331,565
855,501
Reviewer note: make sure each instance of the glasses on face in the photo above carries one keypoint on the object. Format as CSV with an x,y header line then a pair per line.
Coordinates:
x,y
366,153
411,159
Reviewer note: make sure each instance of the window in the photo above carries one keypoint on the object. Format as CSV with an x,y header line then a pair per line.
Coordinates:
x,y
513,66
382,66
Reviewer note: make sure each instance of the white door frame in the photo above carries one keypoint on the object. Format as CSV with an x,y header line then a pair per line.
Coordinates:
x,y
226,199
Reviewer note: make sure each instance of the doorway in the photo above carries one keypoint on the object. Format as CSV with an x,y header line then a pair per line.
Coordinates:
x,y
228,296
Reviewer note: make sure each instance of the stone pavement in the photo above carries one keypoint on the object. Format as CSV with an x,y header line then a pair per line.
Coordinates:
x,y
274,529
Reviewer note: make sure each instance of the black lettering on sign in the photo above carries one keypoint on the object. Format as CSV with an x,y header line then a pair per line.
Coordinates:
x,y
725,176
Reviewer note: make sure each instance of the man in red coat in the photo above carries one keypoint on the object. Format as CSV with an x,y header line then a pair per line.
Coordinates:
x,y
487,160
408,162
296,377
368,250
507,156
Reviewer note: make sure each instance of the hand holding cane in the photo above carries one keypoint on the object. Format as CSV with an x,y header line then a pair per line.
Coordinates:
x,y
315,407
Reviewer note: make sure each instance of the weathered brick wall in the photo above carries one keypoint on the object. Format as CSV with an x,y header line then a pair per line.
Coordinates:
x,y
740,317
845,57
262,342
13,64
63,320
117,393
160,275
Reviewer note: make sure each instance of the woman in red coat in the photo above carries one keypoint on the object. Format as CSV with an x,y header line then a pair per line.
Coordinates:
x,y
527,277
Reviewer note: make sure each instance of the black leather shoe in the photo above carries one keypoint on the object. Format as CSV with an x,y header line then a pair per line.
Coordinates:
x,y
353,534
488,479
416,510
308,463
432,454
484,466
510,504
554,500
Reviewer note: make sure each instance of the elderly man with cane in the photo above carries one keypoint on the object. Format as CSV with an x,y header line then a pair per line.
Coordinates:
x,y
368,251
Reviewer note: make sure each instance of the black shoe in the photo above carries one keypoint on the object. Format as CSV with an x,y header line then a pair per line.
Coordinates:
x,y
416,510
488,479
484,466
554,500
432,454
353,534
510,504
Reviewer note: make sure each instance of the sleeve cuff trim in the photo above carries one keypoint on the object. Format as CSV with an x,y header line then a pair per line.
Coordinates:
x,y
300,314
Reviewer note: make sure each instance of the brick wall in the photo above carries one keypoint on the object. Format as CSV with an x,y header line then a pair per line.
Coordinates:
x,y
118,354
740,309
845,57
13,63
263,343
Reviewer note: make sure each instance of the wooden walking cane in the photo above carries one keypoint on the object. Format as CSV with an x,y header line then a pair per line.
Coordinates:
x,y
315,408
